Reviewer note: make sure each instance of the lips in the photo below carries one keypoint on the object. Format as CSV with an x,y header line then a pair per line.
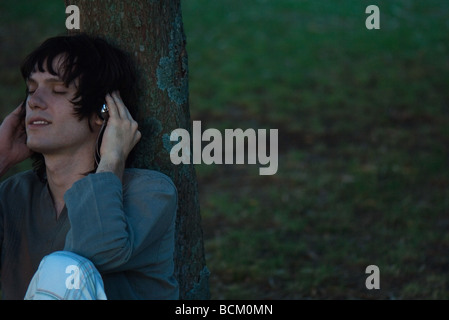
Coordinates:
x,y
38,121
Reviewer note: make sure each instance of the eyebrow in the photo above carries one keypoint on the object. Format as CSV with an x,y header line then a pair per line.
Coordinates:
x,y
47,80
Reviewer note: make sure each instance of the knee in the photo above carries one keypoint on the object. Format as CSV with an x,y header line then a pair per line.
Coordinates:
x,y
69,266
67,274
62,261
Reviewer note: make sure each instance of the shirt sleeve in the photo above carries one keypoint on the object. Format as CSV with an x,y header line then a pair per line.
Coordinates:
x,y
111,224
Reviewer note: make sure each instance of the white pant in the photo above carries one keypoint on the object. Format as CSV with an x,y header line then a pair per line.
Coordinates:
x,y
64,275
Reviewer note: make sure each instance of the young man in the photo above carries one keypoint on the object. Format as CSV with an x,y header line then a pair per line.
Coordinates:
x,y
73,228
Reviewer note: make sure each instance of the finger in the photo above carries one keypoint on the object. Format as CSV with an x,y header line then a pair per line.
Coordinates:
x,y
123,110
136,138
17,118
128,114
17,111
112,107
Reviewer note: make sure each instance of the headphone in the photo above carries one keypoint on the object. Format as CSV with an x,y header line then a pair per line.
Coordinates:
x,y
104,112
104,115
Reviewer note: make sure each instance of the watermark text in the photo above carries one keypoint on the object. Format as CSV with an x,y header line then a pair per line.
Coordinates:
x,y
217,149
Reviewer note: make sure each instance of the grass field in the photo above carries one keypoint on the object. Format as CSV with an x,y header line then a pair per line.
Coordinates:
x,y
363,141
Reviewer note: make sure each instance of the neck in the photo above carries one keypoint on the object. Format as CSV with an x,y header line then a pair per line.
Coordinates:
x,y
62,172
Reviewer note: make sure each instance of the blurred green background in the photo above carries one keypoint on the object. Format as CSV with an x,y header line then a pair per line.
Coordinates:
x,y
363,140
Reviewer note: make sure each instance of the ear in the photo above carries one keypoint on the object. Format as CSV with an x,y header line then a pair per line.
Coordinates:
x,y
97,120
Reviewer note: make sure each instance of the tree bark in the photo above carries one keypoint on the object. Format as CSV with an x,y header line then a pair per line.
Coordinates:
x,y
152,30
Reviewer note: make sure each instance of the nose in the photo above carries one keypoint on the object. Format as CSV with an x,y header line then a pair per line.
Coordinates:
x,y
36,101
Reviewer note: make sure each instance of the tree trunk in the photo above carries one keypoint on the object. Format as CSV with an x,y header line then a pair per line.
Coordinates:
x,y
152,30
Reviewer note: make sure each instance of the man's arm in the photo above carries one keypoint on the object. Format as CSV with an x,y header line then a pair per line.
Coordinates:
x,y
110,226
13,148
4,165
102,227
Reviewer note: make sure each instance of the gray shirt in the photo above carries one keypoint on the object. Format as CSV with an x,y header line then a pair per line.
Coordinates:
x,y
126,229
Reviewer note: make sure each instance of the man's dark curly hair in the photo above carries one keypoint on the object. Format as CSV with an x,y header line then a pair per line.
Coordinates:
x,y
99,68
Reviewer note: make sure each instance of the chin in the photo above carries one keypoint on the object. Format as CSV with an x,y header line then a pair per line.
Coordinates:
x,y
37,147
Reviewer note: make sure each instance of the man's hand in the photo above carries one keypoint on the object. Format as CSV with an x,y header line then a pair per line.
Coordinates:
x,y
13,148
119,138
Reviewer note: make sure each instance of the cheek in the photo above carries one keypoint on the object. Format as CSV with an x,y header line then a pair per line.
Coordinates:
x,y
73,126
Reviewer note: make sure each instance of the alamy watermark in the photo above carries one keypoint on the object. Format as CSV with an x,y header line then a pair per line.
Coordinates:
x,y
189,149
373,280
73,280
73,20
371,22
